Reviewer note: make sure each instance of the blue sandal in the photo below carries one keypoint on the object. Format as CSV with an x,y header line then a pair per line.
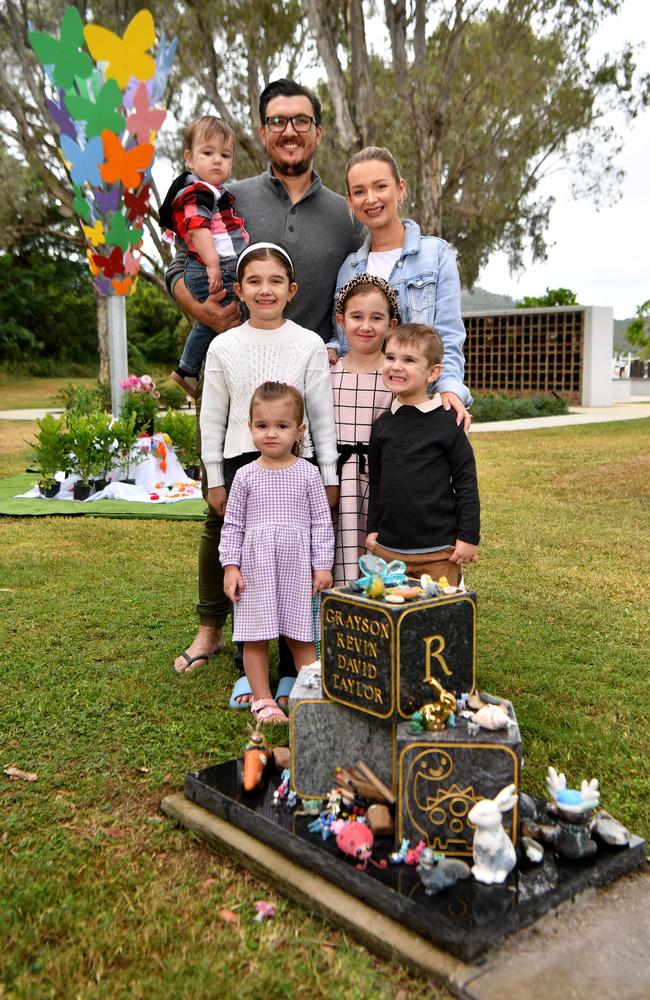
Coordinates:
x,y
284,689
241,688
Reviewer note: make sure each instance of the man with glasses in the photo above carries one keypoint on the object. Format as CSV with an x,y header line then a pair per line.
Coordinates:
x,y
286,204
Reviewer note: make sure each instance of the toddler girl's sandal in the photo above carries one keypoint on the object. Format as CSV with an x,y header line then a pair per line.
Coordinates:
x,y
267,710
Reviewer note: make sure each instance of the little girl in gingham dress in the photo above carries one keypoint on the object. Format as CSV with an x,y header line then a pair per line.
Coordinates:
x,y
277,543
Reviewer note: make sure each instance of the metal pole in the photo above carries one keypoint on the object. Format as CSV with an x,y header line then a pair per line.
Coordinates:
x,y
117,352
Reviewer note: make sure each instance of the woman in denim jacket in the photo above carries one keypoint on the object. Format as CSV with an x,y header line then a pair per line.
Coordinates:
x,y
420,269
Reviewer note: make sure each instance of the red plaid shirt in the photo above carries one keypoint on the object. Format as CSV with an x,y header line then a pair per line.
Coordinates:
x,y
195,204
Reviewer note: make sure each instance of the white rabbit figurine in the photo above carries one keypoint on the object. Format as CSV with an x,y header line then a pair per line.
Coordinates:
x,y
494,853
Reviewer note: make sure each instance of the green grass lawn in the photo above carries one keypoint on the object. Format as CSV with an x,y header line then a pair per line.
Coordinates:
x,y
101,897
33,393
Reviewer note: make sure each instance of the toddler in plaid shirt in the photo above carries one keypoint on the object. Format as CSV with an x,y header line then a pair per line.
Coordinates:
x,y
199,210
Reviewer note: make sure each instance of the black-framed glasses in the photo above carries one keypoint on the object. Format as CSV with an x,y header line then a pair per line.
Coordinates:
x,y
278,123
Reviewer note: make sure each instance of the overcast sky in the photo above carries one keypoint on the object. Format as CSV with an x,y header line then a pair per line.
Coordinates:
x,y
603,256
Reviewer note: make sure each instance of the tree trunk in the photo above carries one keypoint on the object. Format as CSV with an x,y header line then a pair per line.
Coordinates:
x,y
322,21
362,94
102,339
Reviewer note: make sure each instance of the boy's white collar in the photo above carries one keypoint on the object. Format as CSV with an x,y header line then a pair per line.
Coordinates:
x,y
425,407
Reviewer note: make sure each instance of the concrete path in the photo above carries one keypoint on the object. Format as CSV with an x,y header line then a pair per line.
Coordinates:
x,y
579,415
634,409
27,414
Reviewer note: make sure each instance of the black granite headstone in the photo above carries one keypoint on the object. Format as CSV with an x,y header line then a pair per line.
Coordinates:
x,y
382,658
441,775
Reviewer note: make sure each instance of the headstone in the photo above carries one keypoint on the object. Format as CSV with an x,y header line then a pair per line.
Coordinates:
x,y
325,735
441,775
381,659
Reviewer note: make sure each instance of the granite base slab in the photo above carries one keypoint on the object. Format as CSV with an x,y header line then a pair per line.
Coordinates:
x,y
465,920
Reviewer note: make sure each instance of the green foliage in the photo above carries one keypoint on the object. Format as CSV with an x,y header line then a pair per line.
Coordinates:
x,y
142,406
124,437
152,320
551,297
171,395
50,448
638,330
494,407
85,399
181,428
88,439
47,307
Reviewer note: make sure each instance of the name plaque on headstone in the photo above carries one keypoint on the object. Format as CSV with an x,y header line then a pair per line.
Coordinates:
x,y
383,658
441,775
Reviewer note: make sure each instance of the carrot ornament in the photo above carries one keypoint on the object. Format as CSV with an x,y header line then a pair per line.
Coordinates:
x,y
256,755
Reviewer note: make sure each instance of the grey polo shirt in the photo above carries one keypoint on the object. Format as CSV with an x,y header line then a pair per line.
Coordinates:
x,y
318,232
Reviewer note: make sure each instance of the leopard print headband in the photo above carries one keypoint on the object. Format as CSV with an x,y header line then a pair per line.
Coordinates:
x,y
369,279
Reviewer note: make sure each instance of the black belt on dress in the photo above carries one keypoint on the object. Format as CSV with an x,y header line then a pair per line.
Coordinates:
x,y
346,451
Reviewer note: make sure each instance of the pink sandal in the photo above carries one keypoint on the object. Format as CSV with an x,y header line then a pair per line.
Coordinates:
x,y
267,710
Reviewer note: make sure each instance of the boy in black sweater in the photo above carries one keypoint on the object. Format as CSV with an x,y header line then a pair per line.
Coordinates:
x,y
423,502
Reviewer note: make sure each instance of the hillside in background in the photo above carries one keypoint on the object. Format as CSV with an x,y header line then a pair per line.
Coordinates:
x,y
479,300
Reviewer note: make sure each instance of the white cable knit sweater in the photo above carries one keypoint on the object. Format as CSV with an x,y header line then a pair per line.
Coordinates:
x,y
241,359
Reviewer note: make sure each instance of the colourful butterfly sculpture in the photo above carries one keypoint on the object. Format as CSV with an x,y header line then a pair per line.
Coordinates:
x,y
145,119
119,234
98,114
61,55
125,56
106,114
84,163
124,165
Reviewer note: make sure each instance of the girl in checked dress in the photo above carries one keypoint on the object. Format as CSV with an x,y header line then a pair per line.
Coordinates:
x,y
366,310
277,543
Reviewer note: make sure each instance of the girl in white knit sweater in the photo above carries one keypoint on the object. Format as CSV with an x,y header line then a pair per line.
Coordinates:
x,y
265,348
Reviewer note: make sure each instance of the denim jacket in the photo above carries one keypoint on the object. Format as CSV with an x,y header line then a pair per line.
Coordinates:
x,y
425,279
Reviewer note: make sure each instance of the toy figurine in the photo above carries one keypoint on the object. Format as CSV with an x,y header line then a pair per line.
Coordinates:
x,y
438,872
430,587
256,756
571,835
435,715
492,717
377,574
354,837
494,852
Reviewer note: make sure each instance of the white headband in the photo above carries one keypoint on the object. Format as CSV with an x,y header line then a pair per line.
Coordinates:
x,y
263,246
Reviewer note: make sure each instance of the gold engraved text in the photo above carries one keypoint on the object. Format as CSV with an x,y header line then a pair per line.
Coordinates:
x,y
435,654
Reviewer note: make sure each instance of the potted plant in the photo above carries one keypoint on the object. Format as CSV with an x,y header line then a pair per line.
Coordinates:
x,y
124,436
104,442
181,428
50,452
85,449
141,398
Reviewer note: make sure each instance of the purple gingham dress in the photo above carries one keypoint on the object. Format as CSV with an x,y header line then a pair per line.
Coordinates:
x,y
277,529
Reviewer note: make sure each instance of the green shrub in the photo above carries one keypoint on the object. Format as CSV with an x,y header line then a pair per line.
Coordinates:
x,y
181,428
50,449
82,399
171,395
88,442
494,407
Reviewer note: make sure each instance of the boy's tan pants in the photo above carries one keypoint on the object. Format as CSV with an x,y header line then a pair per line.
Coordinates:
x,y
436,564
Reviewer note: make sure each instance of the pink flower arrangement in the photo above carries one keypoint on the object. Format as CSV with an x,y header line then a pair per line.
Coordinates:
x,y
142,384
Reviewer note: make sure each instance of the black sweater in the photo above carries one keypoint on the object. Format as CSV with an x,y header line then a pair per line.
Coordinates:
x,y
423,486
